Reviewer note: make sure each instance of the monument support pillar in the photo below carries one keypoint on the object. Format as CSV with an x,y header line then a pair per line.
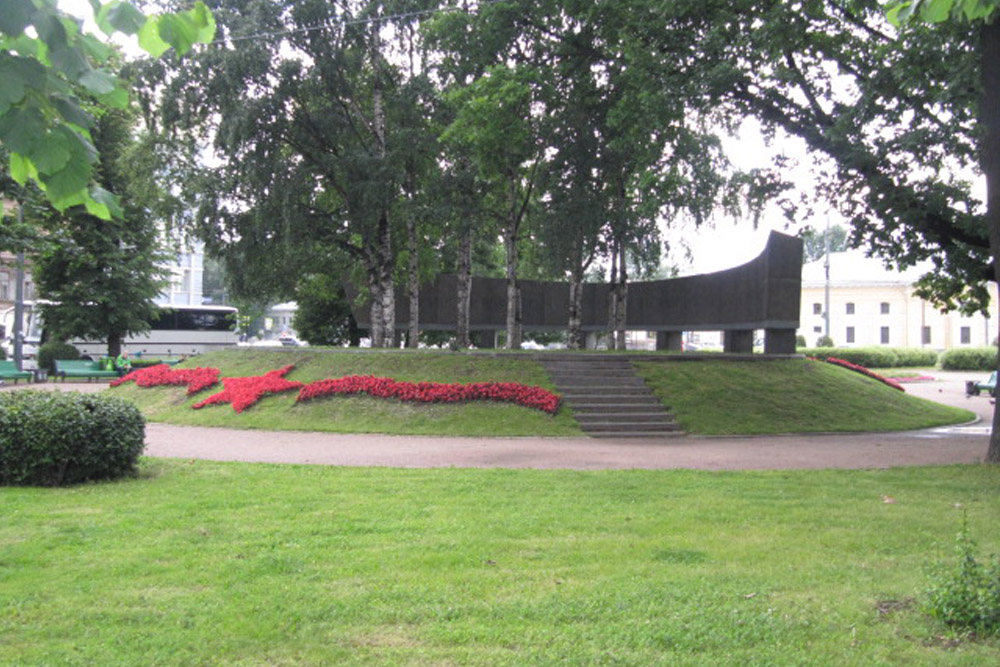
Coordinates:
x,y
738,341
487,339
669,340
779,341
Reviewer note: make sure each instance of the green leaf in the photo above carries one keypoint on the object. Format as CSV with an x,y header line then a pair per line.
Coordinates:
x,y
51,154
900,13
98,81
205,21
177,31
16,16
117,98
11,83
108,203
71,112
119,16
936,11
69,182
21,169
979,9
19,128
149,38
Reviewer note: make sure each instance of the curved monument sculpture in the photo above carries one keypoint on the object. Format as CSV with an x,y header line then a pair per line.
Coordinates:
x,y
763,294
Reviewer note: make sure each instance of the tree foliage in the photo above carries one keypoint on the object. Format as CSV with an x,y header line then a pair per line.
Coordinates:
x,y
103,274
46,60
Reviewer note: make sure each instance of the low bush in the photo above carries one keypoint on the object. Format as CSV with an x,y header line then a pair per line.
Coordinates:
x,y
824,341
57,438
869,357
800,341
55,349
966,595
970,359
910,357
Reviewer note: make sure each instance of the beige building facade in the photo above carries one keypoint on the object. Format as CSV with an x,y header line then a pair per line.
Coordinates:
x,y
870,305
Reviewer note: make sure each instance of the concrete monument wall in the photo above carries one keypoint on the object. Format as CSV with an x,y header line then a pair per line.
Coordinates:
x,y
761,294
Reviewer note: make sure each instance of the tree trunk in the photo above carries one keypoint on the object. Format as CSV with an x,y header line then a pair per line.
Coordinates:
x,y
376,331
989,111
513,291
576,340
621,291
613,296
413,282
114,345
387,294
464,289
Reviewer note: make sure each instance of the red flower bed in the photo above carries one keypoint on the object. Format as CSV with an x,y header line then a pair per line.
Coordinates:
x,y
433,392
242,392
864,371
196,379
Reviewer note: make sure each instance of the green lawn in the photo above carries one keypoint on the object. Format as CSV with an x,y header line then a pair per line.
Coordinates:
x,y
243,564
708,397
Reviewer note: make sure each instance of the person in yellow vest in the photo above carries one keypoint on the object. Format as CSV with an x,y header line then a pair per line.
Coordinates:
x,y
123,364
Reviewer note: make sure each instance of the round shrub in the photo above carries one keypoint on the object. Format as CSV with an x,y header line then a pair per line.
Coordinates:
x,y
970,359
55,349
800,341
51,438
824,341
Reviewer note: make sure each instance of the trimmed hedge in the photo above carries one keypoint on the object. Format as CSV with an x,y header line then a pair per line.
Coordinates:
x,y
51,438
970,359
54,349
876,357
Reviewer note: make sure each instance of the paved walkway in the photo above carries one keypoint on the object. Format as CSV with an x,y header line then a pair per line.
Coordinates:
x,y
963,444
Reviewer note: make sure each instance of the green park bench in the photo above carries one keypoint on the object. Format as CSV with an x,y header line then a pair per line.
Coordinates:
x,y
8,371
82,368
972,388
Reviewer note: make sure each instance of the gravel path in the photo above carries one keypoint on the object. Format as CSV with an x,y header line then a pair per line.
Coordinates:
x,y
962,444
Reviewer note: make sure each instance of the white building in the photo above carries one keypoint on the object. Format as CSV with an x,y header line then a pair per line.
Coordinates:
x,y
872,305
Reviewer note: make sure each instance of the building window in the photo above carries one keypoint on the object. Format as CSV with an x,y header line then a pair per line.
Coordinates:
x,y
817,309
925,336
885,308
885,335
965,335
817,329
850,334
850,309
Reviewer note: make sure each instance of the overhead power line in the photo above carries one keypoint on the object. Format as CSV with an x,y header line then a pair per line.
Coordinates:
x,y
335,22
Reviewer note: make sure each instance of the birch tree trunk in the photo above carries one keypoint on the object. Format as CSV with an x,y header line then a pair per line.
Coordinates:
x,y
464,289
513,291
383,245
376,331
621,292
576,341
613,296
413,282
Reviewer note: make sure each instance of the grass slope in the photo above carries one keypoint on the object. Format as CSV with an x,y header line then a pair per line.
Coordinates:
x,y
225,564
362,414
787,396
709,397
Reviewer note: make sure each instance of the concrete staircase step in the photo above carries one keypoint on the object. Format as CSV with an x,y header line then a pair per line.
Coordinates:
x,y
630,417
618,408
637,434
629,427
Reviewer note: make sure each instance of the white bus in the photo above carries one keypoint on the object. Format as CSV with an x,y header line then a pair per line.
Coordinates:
x,y
179,330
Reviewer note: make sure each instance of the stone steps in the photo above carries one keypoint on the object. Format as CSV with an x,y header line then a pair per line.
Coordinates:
x,y
609,400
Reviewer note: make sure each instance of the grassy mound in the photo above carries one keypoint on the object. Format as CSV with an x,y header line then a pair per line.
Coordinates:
x,y
787,396
709,397
363,414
